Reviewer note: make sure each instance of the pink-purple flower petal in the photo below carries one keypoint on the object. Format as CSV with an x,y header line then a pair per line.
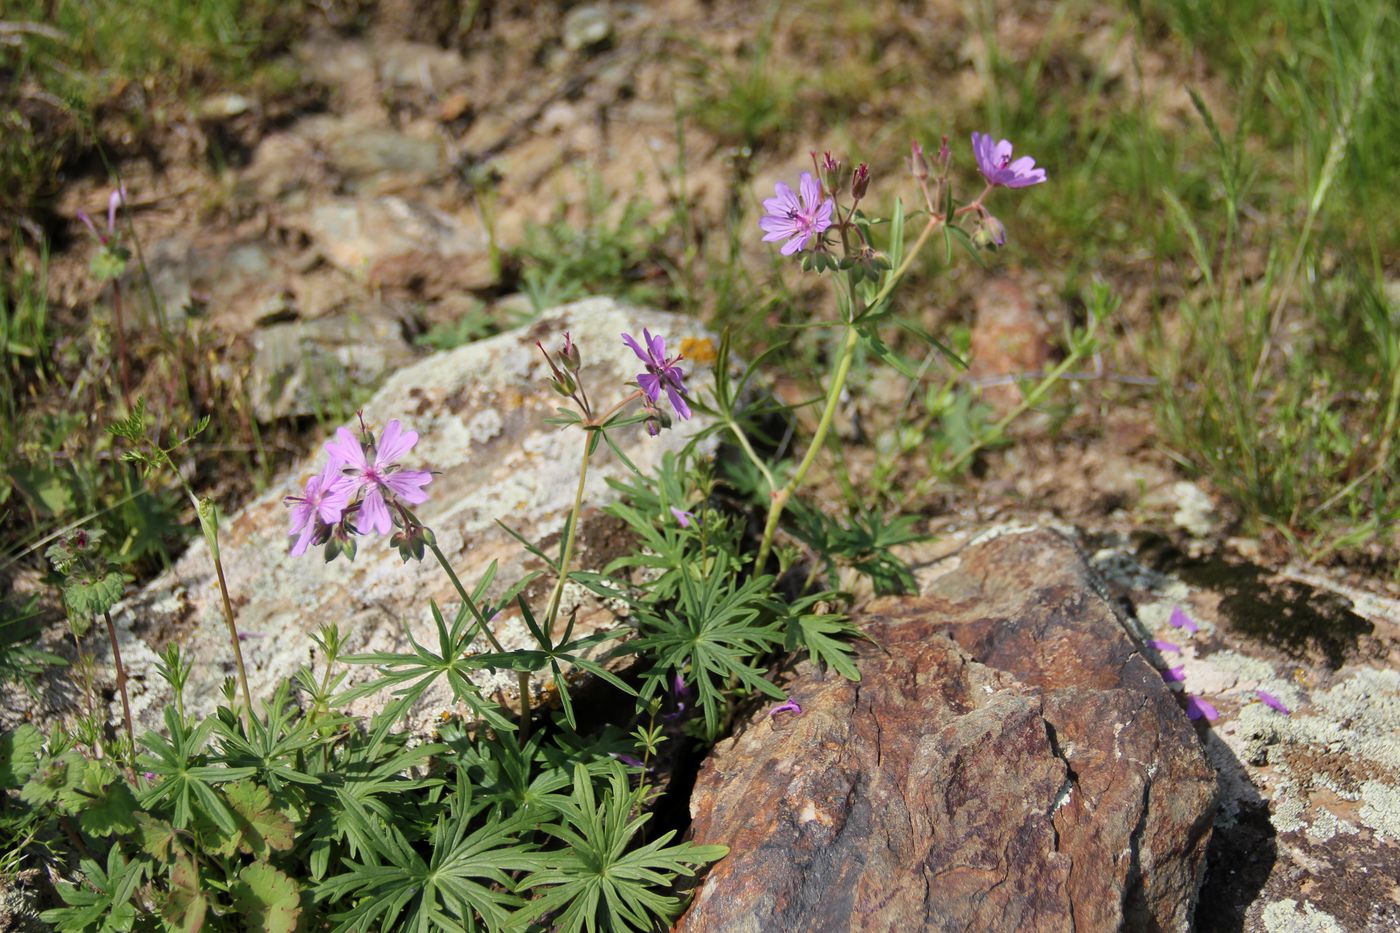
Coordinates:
x,y
374,512
394,442
790,706
1168,646
1199,708
1271,701
1174,675
1179,619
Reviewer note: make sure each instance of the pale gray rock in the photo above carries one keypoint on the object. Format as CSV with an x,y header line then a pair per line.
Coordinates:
x,y
309,368
236,283
419,65
392,241
371,156
586,26
480,411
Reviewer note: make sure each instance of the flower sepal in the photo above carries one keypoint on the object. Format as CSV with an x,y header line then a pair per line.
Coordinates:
x,y
819,262
340,541
410,543
109,262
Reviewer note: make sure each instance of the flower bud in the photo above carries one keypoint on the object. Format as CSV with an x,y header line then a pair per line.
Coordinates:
x,y
860,181
918,166
945,155
409,542
570,355
828,171
990,234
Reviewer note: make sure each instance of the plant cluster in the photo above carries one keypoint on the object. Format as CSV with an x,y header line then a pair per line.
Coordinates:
x,y
286,812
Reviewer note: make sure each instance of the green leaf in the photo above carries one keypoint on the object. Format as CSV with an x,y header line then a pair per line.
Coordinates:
x,y
158,838
600,879
87,598
112,812
261,826
185,906
19,755
267,899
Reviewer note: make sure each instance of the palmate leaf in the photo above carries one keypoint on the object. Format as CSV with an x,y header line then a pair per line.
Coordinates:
x,y
19,755
273,743
826,636
594,882
463,883
185,906
550,655
410,674
103,901
185,781
267,899
366,783
865,541
716,631
262,828
111,812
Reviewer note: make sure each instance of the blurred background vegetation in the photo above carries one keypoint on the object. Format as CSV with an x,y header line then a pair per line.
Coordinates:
x,y
1226,169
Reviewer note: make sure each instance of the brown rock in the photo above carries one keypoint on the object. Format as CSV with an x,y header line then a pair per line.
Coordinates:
x,y
1008,762
1009,339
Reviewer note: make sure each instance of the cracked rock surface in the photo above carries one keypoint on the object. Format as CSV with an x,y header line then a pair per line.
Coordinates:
x,y
1007,761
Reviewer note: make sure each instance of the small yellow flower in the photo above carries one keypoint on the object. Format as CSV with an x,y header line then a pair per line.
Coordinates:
x,y
699,350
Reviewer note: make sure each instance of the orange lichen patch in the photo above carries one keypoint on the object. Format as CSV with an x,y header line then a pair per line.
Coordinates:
x,y
699,350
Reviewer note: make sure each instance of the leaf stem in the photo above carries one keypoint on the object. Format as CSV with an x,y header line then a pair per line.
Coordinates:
x,y
121,681
570,536
233,635
461,590
779,499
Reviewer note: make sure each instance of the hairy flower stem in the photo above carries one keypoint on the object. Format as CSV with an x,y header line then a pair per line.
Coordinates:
x,y
780,498
462,592
233,636
119,331
121,681
484,627
568,555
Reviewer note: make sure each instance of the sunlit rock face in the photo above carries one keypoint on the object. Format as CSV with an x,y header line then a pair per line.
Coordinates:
x,y
480,411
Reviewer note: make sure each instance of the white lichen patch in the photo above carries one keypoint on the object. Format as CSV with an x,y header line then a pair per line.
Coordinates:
x,y
1327,824
1287,808
1380,808
1156,615
1284,917
1195,511
485,425
1245,668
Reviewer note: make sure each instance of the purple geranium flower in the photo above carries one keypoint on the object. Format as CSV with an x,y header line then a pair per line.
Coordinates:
x,y
662,373
1271,701
1181,620
798,222
320,504
994,160
379,474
